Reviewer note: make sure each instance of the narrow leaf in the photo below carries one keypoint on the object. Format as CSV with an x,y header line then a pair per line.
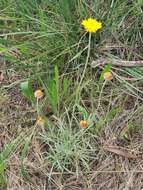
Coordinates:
x,y
27,91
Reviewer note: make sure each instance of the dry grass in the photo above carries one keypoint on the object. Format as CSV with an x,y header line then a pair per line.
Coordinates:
x,y
61,155
109,171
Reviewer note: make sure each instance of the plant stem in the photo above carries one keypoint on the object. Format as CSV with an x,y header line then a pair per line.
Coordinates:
x,y
82,77
37,106
87,59
85,67
100,95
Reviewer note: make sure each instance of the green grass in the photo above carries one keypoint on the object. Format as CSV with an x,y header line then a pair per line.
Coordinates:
x,y
44,45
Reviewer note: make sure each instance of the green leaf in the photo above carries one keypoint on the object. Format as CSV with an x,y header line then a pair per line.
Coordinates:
x,y
65,9
27,90
23,155
2,49
55,89
24,50
66,84
2,173
2,166
3,180
57,77
51,94
25,174
83,111
25,150
53,97
124,135
5,154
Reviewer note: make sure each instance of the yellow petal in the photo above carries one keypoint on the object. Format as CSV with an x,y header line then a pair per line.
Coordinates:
x,y
91,25
38,94
108,76
83,124
40,121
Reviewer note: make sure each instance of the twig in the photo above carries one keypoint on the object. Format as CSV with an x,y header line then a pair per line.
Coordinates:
x,y
116,62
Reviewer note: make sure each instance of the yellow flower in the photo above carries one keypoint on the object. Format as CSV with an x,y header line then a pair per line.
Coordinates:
x,y
40,121
38,94
91,25
108,76
83,124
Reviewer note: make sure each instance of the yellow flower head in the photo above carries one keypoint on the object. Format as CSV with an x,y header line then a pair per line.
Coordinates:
x,y
83,124
91,25
38,94
40,121
108,76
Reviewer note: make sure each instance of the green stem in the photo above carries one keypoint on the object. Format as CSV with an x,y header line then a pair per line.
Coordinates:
x,y
100,95
87,59
37,107
82,77
85,67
